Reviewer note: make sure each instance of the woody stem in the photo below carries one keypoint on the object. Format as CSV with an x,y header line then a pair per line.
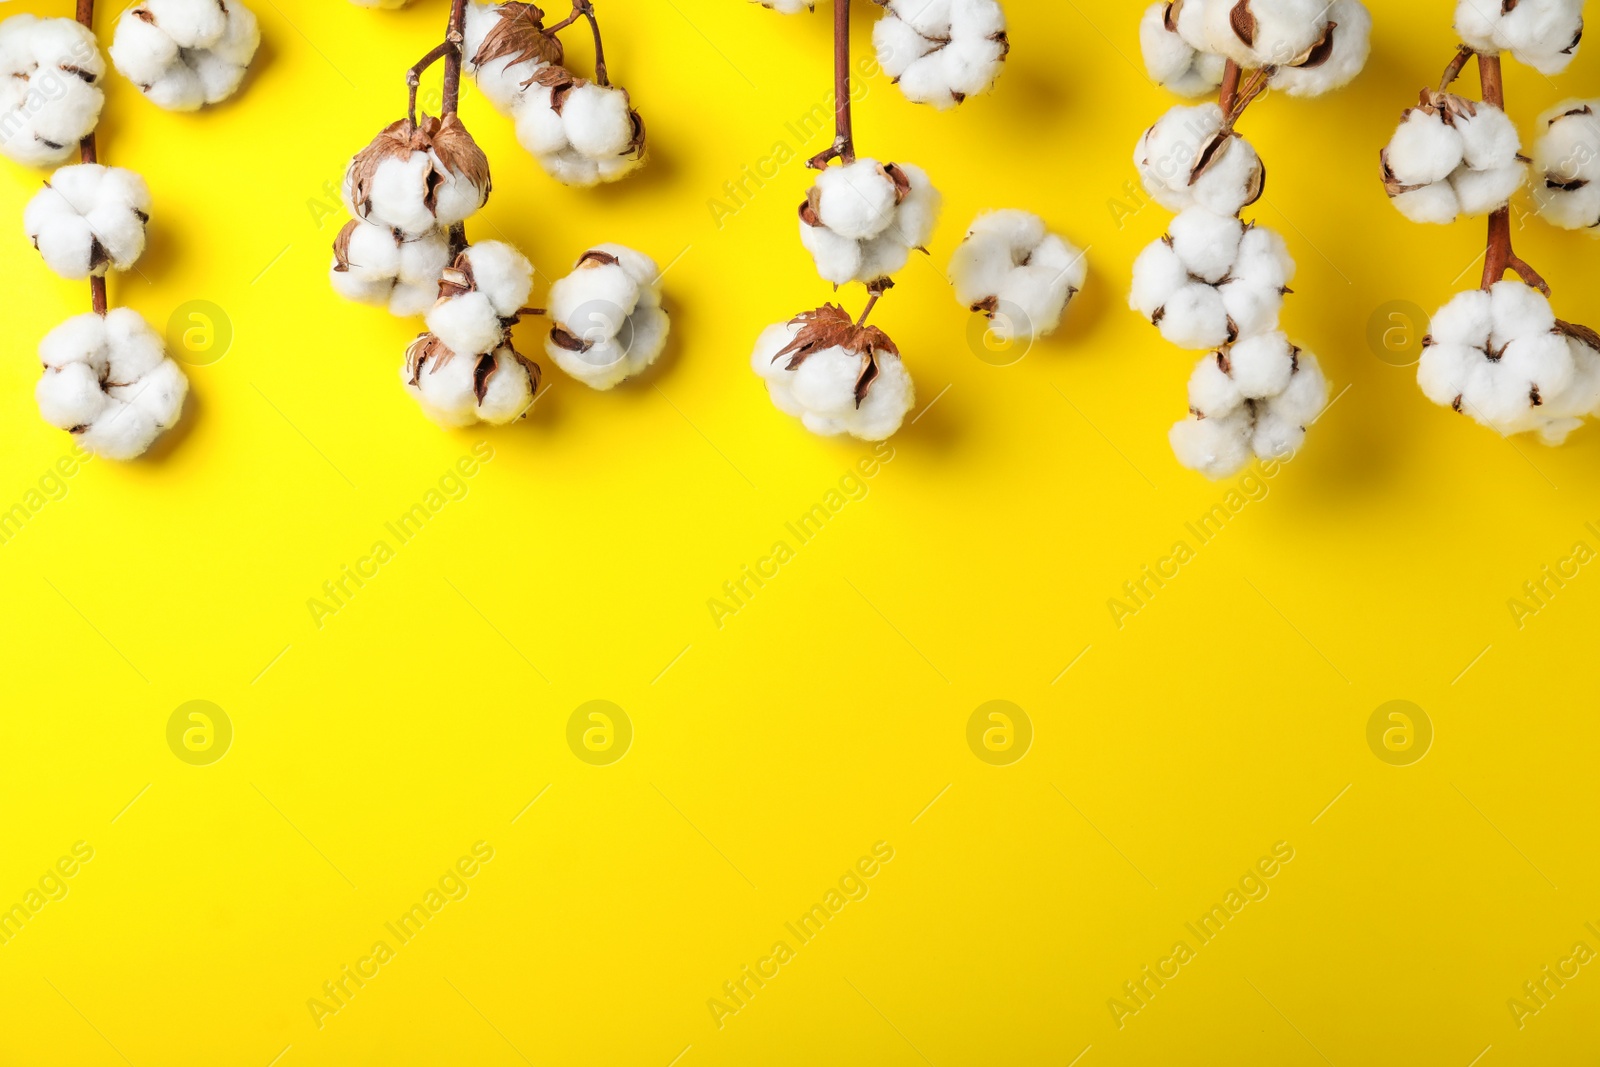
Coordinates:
x,y
1230,87
1498,254
414,76
844,138
1457,65
872,302
88,153
453,37
584,9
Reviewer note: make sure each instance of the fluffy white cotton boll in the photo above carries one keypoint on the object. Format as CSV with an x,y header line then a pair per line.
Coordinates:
x,y
1253,398
480,294
1450,158
1212,280
582,133
418,179
861,221
378,265
608,321
822,390
1334,62
940,52
1216,448
504,46
89,219
50,94
184,54
108,381
1566,166
1012,269
1171,61
1544,34
1263,33
497,387
1185,159
1424,149
857,200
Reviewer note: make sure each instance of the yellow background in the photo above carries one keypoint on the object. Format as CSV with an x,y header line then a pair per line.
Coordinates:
x,y
771,753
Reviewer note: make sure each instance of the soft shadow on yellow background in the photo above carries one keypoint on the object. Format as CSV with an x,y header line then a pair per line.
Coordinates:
x,y
824,725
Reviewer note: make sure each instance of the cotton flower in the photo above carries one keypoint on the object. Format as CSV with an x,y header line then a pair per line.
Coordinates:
x,y
108,381
1013,270
1566,166
183,54
418,178
505,45
50,95
1503,358
861,220
1254,398
1212,280
1338,57
480,297
1170,59
835,376
941,51
381,266
1188,158
89,219
497,387
1451,157
581,132
1543,34
608,321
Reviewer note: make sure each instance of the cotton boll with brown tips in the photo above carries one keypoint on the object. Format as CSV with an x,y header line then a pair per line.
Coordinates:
x,y
1212,280
480,296
380,266
1170,60
418,178
582,133
107,380
861,220
495,387
1452,157
836,377
89,219
184,54
1012,269
1336,60
50,94
941,52
608,322
504,46
1253,398
1187,158
1566,166
1544,34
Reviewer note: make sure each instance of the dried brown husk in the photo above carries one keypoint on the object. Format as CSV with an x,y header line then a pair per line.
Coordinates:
x,y
452,149
561,81
519,35
830,326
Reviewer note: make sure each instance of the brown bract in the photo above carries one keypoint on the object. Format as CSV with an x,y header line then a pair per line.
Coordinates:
x,y
519,34
427,354
1448,107
452,149
561,81
830,326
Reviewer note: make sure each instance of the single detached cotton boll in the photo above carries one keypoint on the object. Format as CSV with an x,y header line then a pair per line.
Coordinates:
x,y
1544,34
581,132
1187,158
380,266
1566,166
50,95
1503,358
1337,58
89,219
420,178
183,54
1212,280
941,51
608,322
835,376
1020,275
496,387
1254,398
1452,157
108,381
861,220
1171,61
481,296
505,46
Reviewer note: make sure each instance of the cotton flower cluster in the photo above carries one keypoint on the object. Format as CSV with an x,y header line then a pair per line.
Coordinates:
x,y
183,54
608,321
89,219
861,220
1190,157
1566,164
1503,358
1012,269
1311,46
1254,398
464,370
382,266
582,132
50,94
108,381
1542,34
1212,280
835,376
941,51
1451,157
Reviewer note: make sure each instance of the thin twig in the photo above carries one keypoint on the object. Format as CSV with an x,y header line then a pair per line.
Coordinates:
x,y
1457,65
88,152
414,75
1498,254
1230,86
844,139
453,37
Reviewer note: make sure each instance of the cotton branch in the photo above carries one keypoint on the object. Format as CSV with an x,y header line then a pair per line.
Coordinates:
x,y
1234,97
1499,256
454,36
584,9
414,76
844,140
88,153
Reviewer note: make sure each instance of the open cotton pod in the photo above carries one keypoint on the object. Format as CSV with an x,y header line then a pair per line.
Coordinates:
x,y
416,178
382,266
1169,58
481,296
184,54
608,321
1190,157
1212,280
942,52
581,132
107,381
505,45
837,377
89,219
861,220
1544,34
1254,398
50,95
1452,156
1566,166
496,387
1018,274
